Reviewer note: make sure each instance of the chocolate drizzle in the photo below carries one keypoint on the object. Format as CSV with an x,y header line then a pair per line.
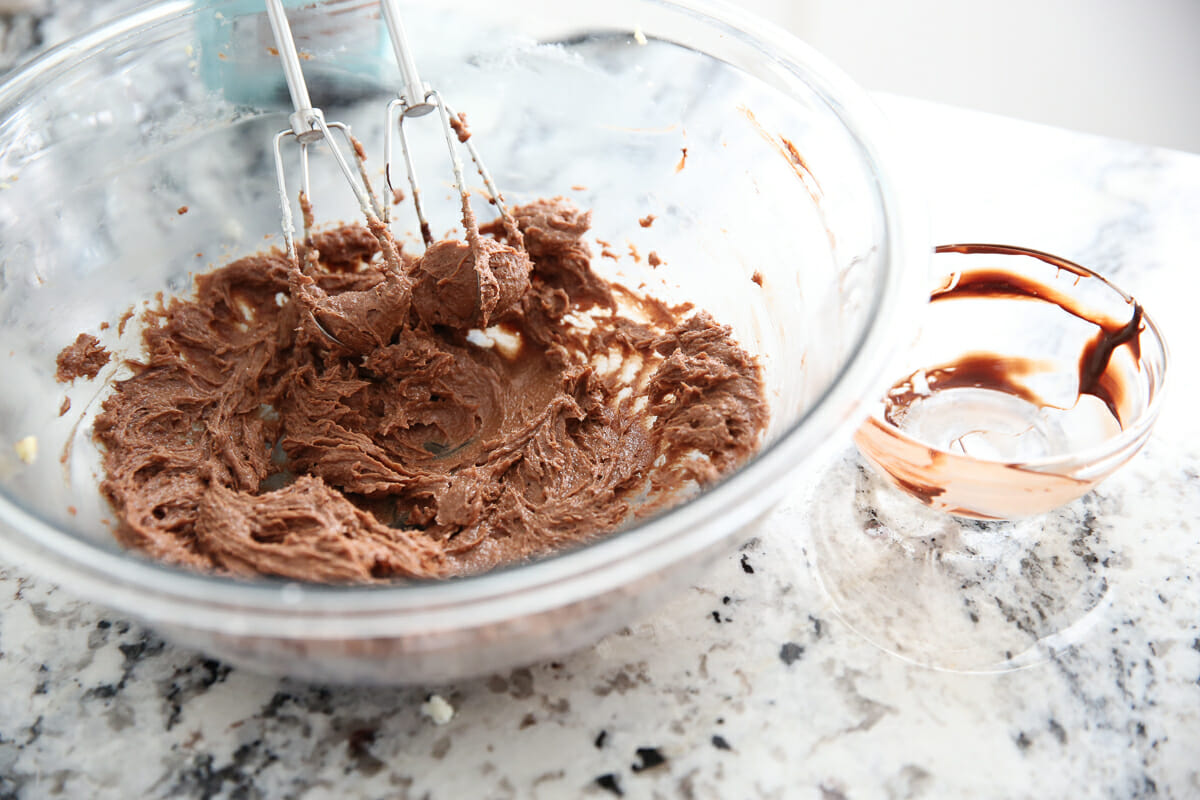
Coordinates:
x,y
993,371
973,370
1093,363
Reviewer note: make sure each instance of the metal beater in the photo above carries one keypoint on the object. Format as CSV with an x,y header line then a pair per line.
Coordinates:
x,y
417,99
308,126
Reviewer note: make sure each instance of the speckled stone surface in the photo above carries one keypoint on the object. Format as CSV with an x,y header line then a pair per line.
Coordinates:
x,y
754,683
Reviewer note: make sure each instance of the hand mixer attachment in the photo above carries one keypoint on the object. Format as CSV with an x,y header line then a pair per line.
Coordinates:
x,y
308,126
417,99
499,269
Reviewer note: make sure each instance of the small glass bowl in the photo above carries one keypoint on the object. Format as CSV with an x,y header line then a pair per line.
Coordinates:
x,y
1031,381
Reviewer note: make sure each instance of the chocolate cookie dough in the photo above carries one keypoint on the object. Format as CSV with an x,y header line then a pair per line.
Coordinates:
x,y
84,357
483,404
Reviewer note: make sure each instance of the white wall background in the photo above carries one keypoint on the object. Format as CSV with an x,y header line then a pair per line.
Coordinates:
x,y
1123,68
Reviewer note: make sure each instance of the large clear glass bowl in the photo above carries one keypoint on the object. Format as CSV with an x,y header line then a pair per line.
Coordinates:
x,y
789,174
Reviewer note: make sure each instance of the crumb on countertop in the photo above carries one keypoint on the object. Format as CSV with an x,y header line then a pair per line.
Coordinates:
x,y
437,709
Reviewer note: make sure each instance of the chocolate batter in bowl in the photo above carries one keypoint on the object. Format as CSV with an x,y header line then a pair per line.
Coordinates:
x,y
773,203
416,445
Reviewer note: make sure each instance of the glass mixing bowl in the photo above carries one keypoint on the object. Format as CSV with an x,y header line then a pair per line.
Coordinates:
x,y
785,218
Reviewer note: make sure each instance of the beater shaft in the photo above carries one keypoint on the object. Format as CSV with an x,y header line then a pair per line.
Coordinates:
x,y
308,125
415,90
417,99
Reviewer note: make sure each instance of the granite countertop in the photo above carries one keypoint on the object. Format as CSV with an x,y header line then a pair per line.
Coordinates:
x,y
754,682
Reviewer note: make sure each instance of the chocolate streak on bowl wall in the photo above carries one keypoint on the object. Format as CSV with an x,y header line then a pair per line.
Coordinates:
x,y
1093,361
979,370
982,488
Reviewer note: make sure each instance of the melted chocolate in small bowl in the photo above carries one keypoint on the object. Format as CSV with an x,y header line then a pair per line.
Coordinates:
x,y
1032,380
